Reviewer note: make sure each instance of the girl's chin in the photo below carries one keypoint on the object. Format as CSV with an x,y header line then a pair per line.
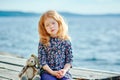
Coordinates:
x,y
53,35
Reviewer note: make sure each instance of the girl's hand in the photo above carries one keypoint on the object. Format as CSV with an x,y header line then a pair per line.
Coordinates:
x,y
55,73
61,73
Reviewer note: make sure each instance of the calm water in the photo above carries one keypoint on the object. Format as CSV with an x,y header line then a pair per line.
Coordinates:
x,y
95,40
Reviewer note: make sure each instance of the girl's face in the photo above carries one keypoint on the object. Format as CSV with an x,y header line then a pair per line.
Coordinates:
x,y
51,26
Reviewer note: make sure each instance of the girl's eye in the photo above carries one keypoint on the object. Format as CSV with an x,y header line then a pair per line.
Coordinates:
x,y
47,25
53,22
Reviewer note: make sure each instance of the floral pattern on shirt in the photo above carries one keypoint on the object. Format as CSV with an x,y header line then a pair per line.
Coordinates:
x,y
56,55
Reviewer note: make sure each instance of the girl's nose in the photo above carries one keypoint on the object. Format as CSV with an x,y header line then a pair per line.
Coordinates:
x,y
51,25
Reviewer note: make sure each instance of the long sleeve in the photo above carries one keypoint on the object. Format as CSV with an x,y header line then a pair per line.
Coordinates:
x,y
41,55
68,53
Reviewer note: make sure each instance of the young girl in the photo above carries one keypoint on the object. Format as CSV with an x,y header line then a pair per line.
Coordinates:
x,y
54,51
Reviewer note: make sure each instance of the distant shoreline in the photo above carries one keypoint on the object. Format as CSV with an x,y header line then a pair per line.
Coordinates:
x,y
19,13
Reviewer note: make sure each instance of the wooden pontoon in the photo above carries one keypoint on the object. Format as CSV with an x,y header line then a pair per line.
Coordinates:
x,y
11,66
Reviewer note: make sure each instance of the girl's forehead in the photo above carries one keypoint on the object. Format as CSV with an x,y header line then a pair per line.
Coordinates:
x,y
48,20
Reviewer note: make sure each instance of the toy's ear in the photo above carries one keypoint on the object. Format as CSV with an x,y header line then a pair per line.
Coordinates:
x,y
36,60
32,55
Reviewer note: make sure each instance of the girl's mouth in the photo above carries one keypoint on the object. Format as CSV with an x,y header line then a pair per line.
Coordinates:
x,y
52,30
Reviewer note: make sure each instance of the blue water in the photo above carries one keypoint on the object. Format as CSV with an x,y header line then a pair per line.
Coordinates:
x,y
95,40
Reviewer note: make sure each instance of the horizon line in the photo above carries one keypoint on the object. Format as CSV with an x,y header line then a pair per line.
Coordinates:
x,y
30,12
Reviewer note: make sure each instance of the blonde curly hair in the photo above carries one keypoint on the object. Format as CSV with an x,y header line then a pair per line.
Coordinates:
x,y
62,27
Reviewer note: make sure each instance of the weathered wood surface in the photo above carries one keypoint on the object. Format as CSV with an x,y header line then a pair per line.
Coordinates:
x,y
11,66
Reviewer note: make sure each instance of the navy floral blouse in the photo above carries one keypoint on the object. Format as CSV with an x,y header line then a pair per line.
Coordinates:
x,y
56,55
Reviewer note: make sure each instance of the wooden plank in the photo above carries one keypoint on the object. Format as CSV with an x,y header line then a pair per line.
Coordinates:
x,y
12,66
92,74
8,74
13,60
2,78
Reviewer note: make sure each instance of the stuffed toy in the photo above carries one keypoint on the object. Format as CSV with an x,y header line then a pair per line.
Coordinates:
x,y
30,71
